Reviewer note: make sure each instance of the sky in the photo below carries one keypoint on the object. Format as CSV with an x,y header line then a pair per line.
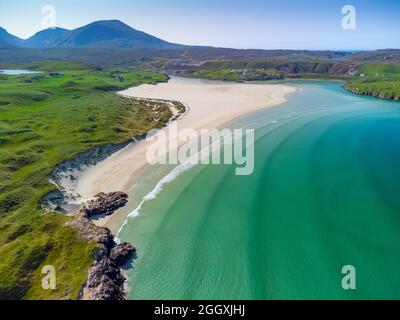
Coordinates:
x,y
258,24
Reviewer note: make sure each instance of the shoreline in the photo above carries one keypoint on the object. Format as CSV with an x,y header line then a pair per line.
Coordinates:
x,y
195,104
104,170
373,94
209,104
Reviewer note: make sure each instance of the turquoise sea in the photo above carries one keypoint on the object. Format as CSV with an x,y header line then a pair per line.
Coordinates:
x,y
324,194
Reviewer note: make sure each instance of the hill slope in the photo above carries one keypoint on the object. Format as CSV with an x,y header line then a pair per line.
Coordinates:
x,y
7,39
101,34
48,38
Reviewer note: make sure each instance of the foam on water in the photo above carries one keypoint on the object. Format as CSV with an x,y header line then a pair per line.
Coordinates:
x,y
187,165
171,176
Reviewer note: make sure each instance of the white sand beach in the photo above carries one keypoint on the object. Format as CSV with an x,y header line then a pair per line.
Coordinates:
x,y
211,104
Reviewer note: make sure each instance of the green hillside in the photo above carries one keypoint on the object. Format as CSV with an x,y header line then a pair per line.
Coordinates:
x,y
44,119
377,79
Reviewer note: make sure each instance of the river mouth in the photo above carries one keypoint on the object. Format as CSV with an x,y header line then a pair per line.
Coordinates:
x,y
322,196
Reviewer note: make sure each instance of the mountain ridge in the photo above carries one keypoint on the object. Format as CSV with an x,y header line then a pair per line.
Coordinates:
x,y
93,39
7,39
98,34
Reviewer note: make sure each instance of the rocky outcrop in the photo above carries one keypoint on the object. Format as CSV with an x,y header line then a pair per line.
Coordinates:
x,y
122,253
105,280
104,204
352,70
92,233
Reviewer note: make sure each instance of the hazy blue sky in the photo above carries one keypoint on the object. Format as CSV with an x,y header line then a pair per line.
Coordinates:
x,y
267,24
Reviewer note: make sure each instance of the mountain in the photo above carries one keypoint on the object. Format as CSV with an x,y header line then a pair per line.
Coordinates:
x,y
100,34
48,38
7,39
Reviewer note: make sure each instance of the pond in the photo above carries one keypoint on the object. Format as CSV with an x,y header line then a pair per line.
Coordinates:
x,y
17,72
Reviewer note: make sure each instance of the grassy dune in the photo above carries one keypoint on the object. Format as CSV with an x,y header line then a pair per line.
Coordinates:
x,y
43,120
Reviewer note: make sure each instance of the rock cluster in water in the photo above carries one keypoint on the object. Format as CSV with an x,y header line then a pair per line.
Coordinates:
x,y
122,253
105,280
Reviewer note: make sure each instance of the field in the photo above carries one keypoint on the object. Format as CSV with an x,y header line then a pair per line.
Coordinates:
x,y
381,80
235,75
46,118
272,69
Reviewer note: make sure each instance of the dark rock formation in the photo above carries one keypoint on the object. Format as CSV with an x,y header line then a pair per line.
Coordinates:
x,y
100,253
122,253
352,70
105,280
92,233
104,204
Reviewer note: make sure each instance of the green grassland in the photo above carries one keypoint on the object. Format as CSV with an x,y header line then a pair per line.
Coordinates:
x,y
381,80
44,120
273,69
224,74
235,75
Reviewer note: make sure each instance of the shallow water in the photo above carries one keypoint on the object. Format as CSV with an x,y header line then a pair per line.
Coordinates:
x,y
324,194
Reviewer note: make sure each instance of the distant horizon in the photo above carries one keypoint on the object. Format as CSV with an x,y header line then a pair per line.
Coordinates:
x,y
233,24
273,49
